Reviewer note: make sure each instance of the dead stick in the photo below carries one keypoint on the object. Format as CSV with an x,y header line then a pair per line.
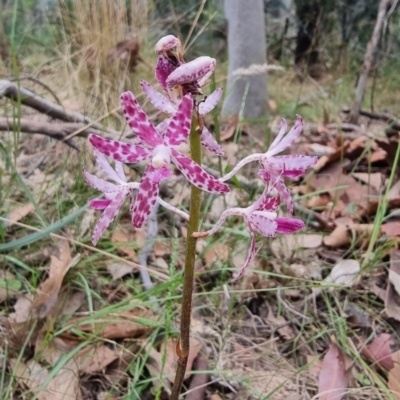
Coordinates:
x,y
12,91
59,131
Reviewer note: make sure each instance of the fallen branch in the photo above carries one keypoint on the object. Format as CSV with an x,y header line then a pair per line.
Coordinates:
x,y
12,91
383,116
58,131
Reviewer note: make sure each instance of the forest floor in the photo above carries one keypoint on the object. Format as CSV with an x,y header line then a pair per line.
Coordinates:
x,y
318,311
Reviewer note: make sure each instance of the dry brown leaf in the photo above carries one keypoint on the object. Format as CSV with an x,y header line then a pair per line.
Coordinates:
x,y
119,270
229,129
344,272
72,302
374,179
218,252
286,331
63,386
285,246
394,195
314,369
391,228
162,248
378,155
332,383
380,351
182,195
119,236
48,291
161,263
327,159
120,326
94,359
169,349
23,309
345,188
338,237
319,201
20,212
221,203
394,381
230,149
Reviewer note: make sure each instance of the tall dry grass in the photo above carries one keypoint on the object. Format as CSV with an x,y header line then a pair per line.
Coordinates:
x,y
91,29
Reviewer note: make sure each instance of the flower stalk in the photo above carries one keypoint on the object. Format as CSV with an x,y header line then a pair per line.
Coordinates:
x,y
190,258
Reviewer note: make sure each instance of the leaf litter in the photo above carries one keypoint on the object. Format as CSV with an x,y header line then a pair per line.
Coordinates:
x,y
255,344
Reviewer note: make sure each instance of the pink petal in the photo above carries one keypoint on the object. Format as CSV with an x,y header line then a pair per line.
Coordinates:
x,y
119,151
269,204
146,197
279,185
192,71
109,215
289,225
175,210
105,166
163,126
265,175
203,81
160,174
166,43
280,135
196,175
119,169
99,204
208,141
285,194
227,213
292,163
263,222
163,70
286,141
241,164
250,256
157,99
138,120
179,128
99,184
293,173
210,102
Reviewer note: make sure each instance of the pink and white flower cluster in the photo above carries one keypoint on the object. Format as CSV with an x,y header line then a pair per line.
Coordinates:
x,y
161,146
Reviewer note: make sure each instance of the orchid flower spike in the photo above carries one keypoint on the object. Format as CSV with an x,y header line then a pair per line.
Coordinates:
x,y
261,216
160,150
279,167
179,79
115,194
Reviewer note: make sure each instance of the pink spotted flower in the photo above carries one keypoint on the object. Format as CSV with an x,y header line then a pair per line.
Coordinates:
x,y
260,216
116,193
177,79
279,167
161,150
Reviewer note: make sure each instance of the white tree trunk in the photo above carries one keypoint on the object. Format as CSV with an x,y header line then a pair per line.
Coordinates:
x,y
246,47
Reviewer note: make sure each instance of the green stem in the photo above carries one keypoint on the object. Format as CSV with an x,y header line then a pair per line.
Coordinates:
x,y
193,226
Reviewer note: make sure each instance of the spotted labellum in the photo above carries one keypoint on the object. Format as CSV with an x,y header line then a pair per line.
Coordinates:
x,y
162,146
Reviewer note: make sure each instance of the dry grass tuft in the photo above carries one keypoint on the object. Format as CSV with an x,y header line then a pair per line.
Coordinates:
x,y
94,32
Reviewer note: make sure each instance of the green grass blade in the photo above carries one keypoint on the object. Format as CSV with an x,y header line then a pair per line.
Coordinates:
x,y
34,237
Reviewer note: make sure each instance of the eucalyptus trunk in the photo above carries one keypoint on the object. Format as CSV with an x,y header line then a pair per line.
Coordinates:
x,y
246,47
